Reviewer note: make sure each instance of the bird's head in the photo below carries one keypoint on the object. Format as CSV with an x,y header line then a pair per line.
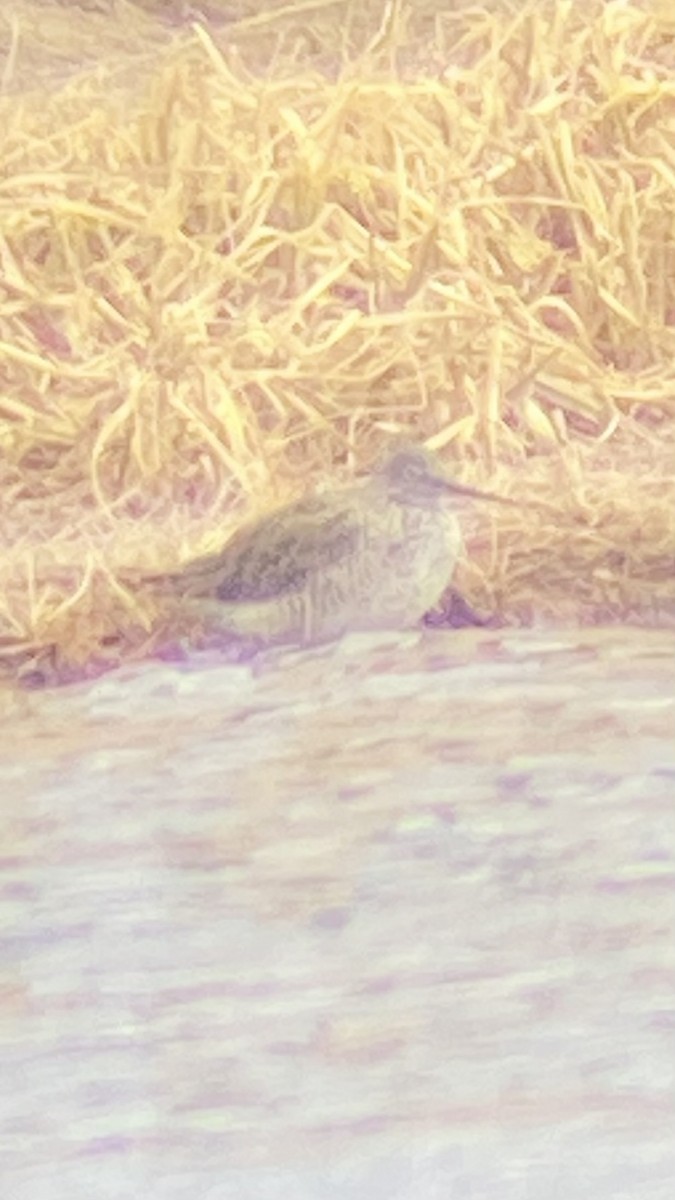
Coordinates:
x,y
414,475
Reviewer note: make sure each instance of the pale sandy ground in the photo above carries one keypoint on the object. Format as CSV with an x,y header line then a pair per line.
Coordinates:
x,y
394,919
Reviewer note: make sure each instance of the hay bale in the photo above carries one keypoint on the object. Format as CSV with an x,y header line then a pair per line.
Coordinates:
x,y
239,253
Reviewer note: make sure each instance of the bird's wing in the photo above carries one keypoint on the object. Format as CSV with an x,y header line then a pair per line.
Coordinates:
x,y
273,557
277,556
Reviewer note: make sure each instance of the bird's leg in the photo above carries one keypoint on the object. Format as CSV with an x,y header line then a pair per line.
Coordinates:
x,y
456,612
308,616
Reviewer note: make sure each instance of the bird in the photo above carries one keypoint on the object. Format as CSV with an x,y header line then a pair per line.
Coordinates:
x,y
374,555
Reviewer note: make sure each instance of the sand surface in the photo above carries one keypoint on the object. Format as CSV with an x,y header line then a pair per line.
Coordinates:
x,y
394,918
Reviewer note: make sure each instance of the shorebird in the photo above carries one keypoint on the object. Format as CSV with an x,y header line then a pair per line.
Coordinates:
x,y
374,555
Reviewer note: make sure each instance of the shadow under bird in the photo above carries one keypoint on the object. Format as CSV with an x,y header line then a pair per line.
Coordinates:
x,y
374,555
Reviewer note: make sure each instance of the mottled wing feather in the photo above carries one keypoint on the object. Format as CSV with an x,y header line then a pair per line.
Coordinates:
x,y
277,557
273,557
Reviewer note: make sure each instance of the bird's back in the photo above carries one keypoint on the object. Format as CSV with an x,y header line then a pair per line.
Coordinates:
x,y
279,555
